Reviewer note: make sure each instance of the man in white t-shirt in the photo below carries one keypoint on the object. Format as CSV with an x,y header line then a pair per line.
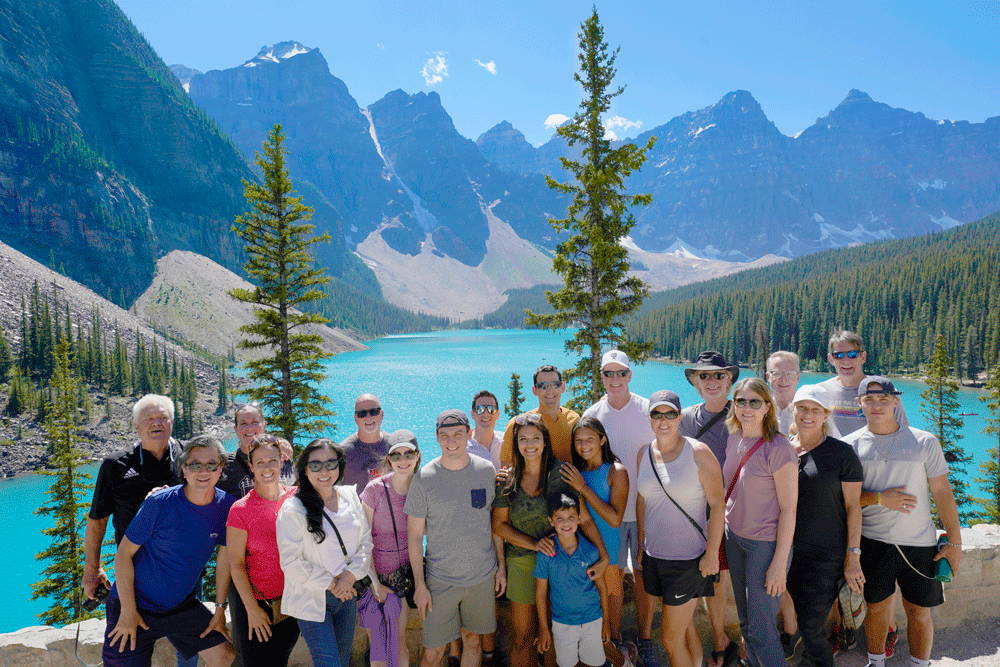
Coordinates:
x,y
625,417
904,469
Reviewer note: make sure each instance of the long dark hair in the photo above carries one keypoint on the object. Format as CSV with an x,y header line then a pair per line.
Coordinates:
x,y
595,425
307,493
520,422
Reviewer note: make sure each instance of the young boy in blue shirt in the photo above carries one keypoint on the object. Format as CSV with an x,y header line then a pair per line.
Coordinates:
x,y
579,629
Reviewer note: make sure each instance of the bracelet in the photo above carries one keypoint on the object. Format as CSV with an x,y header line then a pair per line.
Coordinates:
x,y
878,497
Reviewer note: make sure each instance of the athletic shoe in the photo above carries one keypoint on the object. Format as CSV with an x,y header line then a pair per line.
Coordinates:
x,y
649,656
890,643
789,642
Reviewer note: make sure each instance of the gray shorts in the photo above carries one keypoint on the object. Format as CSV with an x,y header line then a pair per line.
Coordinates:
x,y
457,607
628,544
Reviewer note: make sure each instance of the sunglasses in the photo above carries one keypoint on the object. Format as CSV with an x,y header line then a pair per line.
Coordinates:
x,y
615,374
408,455
529,418
480,409
850,354
329,464
198,467
714,376
551,384
370,412
754,403
657,415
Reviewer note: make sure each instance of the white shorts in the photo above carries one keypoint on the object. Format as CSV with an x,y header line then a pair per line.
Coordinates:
x,y
578,643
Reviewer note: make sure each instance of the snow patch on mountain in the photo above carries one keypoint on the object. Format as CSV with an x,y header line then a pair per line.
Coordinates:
x,y
695,133
936,184
277,53
945,221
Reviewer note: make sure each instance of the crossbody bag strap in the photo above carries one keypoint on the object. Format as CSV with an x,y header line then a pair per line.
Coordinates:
x,y
687,516
907,561
746,457
392,514
337,533
713,421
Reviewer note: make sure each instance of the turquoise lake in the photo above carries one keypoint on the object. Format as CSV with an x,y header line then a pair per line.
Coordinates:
x,y
416,376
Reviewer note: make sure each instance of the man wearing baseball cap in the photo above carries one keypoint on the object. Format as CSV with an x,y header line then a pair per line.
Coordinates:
x,y
713,377
904,468
449,501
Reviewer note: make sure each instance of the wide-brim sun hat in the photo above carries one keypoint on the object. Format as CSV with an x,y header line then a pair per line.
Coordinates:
x,y
711,360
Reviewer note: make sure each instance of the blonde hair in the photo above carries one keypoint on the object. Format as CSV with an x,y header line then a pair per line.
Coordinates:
x,y
769,427
793,430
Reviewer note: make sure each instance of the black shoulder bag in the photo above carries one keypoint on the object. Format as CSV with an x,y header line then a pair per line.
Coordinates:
x,y
360,585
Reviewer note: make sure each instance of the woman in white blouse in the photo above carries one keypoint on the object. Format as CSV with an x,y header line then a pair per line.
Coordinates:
x,y
325,545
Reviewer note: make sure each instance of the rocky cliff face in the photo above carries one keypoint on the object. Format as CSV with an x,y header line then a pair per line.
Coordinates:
x,y
104,161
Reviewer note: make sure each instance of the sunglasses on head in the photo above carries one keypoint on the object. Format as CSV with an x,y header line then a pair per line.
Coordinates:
x,y
529,418
480,409
615,374
657,415
850,354
718,375
409,455
198,467
551,384
754,403
370,412
329,464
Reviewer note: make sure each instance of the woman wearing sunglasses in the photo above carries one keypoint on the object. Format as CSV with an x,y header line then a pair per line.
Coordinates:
x,y
679,480
521,518
325,544
383,500
761,479
254,561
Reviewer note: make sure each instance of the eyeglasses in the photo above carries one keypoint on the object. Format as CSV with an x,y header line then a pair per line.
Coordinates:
x,y
329,464
850,354
657,415
527,418
754,403
781,375
714,376
615,374
551,384
408,455
198,467
370,412
480,409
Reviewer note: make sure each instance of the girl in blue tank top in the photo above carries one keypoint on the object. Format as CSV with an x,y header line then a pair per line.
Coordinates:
x,y
601,480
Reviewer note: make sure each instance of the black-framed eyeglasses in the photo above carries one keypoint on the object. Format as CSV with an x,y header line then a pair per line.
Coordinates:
x,y
198,467
670,415
850,354
480,409
754,403
551,384
370,412
615,374
408,455
329,464
718,375
527,418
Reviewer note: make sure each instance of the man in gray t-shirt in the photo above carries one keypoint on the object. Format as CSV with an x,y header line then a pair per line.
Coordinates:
x,y
450,501
366,449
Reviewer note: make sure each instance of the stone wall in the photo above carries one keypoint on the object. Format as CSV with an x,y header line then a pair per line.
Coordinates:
x,y
973,595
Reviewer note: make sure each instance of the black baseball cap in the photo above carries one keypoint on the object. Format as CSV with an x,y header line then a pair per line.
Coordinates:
x,y
887,386
451,417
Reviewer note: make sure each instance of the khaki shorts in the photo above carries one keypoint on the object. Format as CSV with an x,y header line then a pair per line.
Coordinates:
x,y
457,607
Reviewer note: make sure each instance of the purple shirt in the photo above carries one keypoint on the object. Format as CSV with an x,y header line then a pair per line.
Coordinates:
x,y
388,554
365,461
752,510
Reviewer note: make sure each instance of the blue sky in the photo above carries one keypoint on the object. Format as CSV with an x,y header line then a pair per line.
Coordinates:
x,y
514,60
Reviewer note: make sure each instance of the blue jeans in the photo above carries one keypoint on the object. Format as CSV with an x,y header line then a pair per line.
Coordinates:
x,y
758,611
330,640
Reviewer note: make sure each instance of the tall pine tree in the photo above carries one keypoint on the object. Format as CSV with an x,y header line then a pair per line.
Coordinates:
x,y
598,294
513,407
67,500
279,261
939,405
990,468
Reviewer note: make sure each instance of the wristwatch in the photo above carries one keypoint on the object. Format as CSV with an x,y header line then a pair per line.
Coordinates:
x,y
854,550
221,605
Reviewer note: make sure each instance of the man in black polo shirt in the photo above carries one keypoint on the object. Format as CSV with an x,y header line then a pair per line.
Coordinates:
x,y
125,479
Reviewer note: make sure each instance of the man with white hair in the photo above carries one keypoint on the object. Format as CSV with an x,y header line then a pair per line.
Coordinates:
x,y
782,373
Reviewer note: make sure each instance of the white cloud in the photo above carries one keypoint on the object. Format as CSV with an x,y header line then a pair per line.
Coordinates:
x,y
554,120
619,122
435,69
489,66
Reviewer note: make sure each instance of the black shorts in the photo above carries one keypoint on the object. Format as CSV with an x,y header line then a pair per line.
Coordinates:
x,y
884,567
181,626
676,581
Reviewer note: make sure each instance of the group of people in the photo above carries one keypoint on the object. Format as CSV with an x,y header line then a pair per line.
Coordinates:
x,y
778,493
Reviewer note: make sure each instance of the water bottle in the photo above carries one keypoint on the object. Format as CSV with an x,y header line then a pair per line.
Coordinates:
x,y
942,568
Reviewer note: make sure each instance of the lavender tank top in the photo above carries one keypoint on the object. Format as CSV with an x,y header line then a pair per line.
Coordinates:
x,y
668,533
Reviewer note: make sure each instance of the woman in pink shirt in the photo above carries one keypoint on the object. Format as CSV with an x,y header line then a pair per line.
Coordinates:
x,y
254,562
761,477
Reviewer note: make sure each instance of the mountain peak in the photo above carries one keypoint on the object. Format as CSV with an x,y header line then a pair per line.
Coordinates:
x,y
855,96
738,98
277,53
